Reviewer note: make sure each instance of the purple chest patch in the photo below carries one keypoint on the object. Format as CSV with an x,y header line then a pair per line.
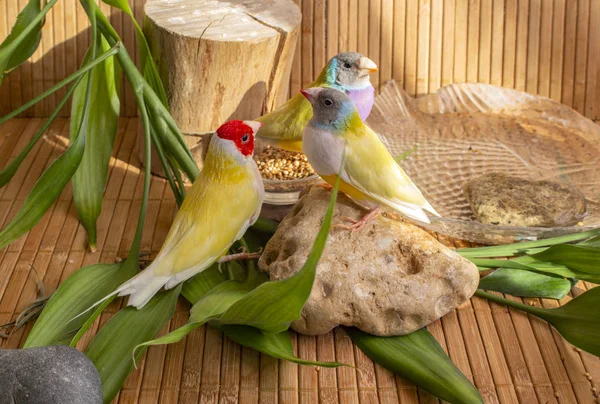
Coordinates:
x,y
363,99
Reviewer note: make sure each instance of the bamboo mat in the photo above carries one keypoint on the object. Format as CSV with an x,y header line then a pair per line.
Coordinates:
x,y
510,357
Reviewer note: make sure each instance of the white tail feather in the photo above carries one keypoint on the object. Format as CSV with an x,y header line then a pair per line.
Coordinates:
x,y
140,289
413,212
430,209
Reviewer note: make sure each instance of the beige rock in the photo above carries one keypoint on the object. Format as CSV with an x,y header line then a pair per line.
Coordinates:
x,y
497,198
388,278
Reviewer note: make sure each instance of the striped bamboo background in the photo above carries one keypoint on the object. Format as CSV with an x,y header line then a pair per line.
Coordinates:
x,y
549,47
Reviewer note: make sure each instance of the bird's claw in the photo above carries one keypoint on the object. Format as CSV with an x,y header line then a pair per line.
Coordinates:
x,y
324,185
357,224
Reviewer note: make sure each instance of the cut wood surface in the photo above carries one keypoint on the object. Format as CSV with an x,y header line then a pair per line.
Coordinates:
x,y
510,356
220,59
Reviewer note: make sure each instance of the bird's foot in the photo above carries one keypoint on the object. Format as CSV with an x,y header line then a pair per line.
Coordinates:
x,y
241,256
358,224
324,185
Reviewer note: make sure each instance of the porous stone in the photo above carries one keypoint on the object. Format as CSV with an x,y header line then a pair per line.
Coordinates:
x,y
500,199
48,375
388,278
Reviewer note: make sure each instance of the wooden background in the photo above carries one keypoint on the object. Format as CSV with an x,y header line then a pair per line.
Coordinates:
x,y
549,47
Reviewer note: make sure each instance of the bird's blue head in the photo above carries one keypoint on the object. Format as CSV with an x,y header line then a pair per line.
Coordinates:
x,y
348,71
332,109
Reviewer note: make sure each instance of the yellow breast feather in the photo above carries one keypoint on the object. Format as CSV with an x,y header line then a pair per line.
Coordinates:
x,y
219,207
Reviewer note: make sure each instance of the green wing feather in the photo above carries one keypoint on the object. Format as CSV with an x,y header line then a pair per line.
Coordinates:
x,y
289,120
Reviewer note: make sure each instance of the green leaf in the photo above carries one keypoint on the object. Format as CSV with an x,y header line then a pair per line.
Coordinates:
x,y
278,345
111,348
198,286
583,260
593,242
56,324
149,69
419,358
210,306
273,306
218,300
519,282
152,103
265,225
7,172
578,321
75,76
45,191
100,129
581,264
510,250
24,37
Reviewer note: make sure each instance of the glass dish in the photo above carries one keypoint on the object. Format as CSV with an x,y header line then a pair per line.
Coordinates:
x,y
466,130
283,192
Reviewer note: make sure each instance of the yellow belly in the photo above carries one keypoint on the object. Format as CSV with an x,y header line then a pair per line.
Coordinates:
x,y
348,189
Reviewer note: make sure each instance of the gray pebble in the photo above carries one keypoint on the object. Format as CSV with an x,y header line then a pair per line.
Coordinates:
x,y
48,375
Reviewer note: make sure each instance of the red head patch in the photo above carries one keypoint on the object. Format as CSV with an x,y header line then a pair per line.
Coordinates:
x,y
241,134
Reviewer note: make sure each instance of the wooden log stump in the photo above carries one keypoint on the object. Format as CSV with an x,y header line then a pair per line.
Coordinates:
x,y
220,60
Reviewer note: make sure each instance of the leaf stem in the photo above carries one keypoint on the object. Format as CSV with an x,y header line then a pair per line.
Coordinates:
x,y
135,245
166,166
83,70
536,311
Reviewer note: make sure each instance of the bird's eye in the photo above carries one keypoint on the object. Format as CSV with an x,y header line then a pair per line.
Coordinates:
x,y
245,138
347,65
327,102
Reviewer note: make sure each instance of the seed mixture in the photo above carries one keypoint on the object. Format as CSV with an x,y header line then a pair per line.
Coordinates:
x,y
277,164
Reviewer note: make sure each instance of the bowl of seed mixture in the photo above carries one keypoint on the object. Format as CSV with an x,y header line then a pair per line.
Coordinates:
x,y
285,174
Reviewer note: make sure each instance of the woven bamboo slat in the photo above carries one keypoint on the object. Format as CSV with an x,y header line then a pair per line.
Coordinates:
x,y
548,47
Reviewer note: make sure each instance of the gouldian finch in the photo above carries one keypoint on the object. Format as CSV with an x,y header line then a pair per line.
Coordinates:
x,y
223,202
368,173
348,72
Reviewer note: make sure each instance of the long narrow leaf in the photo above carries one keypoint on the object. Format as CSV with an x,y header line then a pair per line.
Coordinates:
x,y
578,321
75,76
510,250
149,69
7,172
24,37
75,295
519,282
100,129
171,138
529,263
584,259
45,191
278,345
419,358
111,348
